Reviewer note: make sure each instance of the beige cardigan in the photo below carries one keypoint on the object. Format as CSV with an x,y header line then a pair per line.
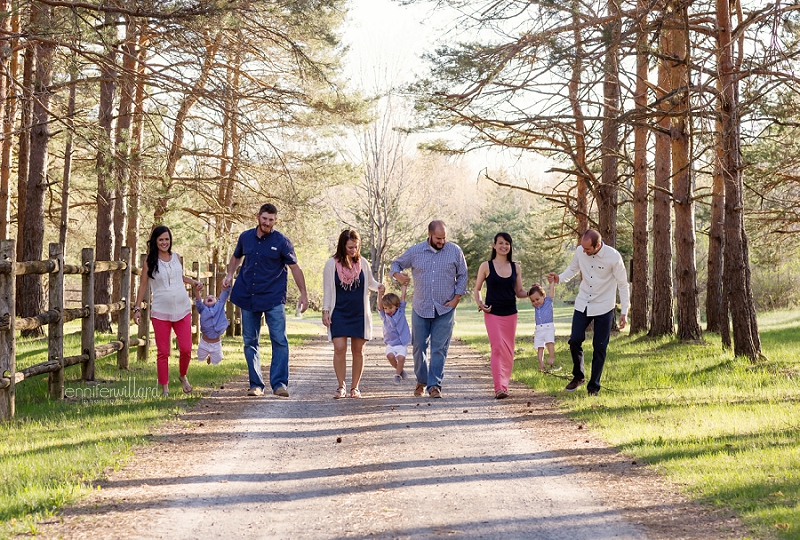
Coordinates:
x,y
329,292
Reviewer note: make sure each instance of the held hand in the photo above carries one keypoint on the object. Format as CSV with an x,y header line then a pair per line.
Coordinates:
x,y
226,282
623,321
402,278
303,301
198,286
381,289
326,319
552,277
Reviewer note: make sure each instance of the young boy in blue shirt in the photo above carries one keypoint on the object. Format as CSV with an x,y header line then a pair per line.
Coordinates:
x,y
545,333
396,333
213,324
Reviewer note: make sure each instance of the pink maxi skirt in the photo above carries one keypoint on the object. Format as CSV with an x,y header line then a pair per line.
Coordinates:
x,y
502,330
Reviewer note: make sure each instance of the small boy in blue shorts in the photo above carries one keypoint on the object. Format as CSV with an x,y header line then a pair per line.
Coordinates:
x,y
213,324
545,333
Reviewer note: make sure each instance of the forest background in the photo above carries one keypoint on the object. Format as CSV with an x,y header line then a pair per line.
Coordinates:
x,y
669,126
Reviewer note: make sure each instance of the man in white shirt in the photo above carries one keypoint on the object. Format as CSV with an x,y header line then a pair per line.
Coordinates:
x,y
602,272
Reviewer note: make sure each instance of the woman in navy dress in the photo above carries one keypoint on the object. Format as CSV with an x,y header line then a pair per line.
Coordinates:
x,y
347,280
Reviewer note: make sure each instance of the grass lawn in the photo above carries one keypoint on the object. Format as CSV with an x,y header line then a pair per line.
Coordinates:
x,y
52,451
725,430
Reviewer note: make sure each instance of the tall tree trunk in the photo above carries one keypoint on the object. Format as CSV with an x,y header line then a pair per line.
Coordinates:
x,y
176,146
65,180
31,285
688,309
135,180
662,321
105,179
746,341
716,238
607,192
5,103
122,147
639,285
584,175
24,150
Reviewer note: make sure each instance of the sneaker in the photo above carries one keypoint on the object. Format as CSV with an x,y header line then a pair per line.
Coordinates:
x,y
435,392
397,378
419,390
255,391
404,375
574,384
281,391
594,392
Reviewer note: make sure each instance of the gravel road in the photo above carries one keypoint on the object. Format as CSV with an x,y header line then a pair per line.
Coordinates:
x,y
387,466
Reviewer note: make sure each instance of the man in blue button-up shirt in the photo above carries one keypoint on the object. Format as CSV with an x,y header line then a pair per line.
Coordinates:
x,y
440,280
602,273
260,289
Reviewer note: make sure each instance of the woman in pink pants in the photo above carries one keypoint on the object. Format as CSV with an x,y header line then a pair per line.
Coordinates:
x,y
171,307
503,279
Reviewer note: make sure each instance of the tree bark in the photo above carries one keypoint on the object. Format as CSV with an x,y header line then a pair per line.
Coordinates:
x,y
24,150
639,284
661,316
716,238
5,103
746,341
105,179
135,180
688,308
607,193
30,286
584,176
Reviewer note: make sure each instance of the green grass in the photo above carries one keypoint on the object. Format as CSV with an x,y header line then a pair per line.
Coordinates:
x,y
52,451
725,430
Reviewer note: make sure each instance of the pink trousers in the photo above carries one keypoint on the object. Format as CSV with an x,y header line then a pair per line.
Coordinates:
x,y
183,331
502,330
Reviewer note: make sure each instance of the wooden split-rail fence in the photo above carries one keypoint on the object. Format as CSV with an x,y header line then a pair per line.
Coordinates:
x,y
56,315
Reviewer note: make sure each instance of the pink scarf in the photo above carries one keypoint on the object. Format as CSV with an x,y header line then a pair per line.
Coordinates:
x,y
349,276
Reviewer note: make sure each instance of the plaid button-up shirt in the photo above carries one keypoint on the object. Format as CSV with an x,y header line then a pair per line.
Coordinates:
x,y
439,275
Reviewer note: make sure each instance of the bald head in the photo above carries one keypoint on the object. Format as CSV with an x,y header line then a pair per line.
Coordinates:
x,y
591,242
437,234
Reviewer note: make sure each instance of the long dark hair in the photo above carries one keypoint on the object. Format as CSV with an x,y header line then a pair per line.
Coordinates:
x,y
152,249
507,237
341,247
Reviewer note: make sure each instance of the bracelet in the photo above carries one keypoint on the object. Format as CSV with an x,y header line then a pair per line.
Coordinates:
x,y
137,309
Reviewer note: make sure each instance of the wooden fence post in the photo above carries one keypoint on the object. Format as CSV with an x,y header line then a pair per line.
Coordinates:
x,y
212,281
195,314
87,323
144,319
55,330
8,343
124,319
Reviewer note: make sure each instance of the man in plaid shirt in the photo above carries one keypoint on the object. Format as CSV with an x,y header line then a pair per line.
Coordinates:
x,y
440,280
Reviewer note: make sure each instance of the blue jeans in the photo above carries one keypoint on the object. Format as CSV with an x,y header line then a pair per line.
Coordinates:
x,y
251,334
436,333
602,332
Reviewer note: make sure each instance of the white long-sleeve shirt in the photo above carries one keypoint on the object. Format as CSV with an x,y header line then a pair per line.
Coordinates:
x,y
602,273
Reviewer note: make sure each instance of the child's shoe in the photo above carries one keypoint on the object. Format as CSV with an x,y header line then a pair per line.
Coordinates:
x,y
397,378
403,375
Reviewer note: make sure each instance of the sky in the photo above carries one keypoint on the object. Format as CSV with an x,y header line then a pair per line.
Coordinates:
x,y
386,41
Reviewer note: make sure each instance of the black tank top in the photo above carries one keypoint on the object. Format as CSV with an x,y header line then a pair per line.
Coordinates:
x,y
500,291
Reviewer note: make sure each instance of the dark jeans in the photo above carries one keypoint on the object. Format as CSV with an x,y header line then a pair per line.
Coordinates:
x,y
602,331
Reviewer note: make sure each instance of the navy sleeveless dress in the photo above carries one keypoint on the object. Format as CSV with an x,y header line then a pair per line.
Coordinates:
x,y
347,319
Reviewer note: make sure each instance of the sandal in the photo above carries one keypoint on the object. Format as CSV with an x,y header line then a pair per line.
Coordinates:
x,y
187,388
340,393
355,393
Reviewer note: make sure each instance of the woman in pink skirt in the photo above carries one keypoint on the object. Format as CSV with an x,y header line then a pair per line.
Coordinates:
x,y
503,279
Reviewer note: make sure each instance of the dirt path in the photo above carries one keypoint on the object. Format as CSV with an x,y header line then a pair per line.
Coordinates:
x,y
387,466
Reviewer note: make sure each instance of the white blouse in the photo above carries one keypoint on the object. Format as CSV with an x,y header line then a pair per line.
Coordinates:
x,y
170,300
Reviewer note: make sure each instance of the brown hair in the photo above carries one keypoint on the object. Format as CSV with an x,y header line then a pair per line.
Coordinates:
x,y
341,247
536,288
390,300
